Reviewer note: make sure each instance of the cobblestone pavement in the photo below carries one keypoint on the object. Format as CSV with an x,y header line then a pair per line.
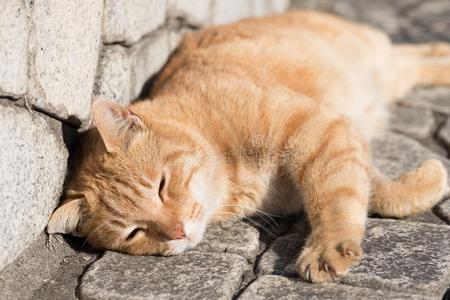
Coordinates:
x,y
404,259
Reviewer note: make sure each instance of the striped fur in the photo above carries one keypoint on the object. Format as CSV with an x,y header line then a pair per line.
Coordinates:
x,y
272,115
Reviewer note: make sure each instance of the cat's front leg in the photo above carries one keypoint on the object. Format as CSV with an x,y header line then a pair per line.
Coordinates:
x,y
332,173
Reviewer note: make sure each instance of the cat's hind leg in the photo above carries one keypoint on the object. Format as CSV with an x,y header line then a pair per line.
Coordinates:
x,y
332,173
421,64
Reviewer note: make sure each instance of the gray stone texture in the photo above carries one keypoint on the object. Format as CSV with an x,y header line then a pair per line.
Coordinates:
x,y
114,74
231,237
227,11
443,210
444,133
191,275
47,269
148,57
273,287
435,98
407,257
194,12
395,153
13,48
127,21
63,51
414,122
399,256
33,166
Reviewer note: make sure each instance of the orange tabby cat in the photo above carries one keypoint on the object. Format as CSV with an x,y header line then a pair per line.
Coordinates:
x,y
271,114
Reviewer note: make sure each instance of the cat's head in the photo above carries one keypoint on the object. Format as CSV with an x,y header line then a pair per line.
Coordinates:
x,y
139,186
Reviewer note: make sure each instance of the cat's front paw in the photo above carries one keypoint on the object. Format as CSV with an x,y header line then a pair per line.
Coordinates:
x,y
326,261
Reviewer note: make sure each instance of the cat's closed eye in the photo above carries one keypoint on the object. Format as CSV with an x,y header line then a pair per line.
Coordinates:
x,y
134,233
161,188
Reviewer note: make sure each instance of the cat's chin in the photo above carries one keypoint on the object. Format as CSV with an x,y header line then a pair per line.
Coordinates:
x,y
194,233
176,247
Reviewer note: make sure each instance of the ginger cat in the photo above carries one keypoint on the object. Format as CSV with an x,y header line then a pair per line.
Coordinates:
x,y
273,114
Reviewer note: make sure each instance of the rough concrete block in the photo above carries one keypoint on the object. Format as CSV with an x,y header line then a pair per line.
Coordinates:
x,y
231,237
270,287
194,12
149,56
191,275
127,21
228,11
64,51
113,74
13,48
33,160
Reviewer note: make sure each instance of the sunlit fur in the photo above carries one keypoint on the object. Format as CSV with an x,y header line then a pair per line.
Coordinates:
x,y
271,114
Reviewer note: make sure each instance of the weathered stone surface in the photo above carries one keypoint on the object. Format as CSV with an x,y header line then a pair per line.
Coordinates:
x,y
395,153
148,58
444,133
414,122
434,98
400,256
45,270
277,287
114,74
127,21
228,11
64,51
403,256
280,257
278,6
191,275
443,210
427,217
432,17
13,48
231,237
33,165
194,12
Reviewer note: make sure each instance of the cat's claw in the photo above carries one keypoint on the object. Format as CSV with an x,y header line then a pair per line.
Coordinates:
x,y
324,263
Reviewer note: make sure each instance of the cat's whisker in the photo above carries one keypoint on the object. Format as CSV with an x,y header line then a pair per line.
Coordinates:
x,y
262,214
91,234
254,222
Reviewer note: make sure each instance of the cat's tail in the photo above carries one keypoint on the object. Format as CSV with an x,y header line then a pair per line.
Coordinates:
x,y
411,193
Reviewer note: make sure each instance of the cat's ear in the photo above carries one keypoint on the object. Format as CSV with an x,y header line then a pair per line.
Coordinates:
x,y
116,124
65,218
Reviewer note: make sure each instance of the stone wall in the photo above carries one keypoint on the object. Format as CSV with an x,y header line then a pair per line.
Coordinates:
x,y
54,57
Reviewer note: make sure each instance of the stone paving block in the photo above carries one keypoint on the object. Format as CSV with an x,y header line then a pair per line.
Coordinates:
x,y
55,270
443,210
114,74
231,237
433,15
191,275
404,256
427,217
64,55
444,133
14,43
148,57
272,287
278,6
194,12
33,163
228,11
127,21
399,256
434,98
395,153
414,122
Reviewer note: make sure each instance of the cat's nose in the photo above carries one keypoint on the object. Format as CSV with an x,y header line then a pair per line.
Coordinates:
x,y
177,232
